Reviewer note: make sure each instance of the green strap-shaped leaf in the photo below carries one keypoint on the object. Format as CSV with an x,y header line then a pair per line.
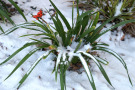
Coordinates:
x,y
100,67
96,31
18,9
53,39
62,16
3,7
103,44
88,71
44,56
115,26
85,22
78,14
70,32
42,26
22,61
101,60
57,64
41,42
16,27
87,32
78,46
80,21
6,16
36,34
96,19
34,29
77,28
85,14
62,77
61,29
73,15
117,56
1,29
20,49
2,18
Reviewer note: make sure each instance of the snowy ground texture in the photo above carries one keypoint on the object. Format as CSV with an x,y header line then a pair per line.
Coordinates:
x,y
42,78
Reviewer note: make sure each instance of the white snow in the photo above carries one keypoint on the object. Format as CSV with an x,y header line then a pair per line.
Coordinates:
x,y
41,77
118,12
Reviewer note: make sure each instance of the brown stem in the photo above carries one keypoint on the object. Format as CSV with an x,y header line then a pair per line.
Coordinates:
x,y
43,20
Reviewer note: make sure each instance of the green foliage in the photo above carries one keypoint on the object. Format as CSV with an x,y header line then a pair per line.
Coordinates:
x,y
5,14
109,7
18,9
82,34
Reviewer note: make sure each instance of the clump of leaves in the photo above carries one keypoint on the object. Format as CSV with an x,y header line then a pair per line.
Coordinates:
x,y
109,7
5,13
71,46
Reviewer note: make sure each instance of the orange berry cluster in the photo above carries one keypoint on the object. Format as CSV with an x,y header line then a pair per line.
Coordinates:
x,y
39,15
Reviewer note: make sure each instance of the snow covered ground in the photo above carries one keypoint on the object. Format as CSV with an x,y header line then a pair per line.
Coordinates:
x,y
42,78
